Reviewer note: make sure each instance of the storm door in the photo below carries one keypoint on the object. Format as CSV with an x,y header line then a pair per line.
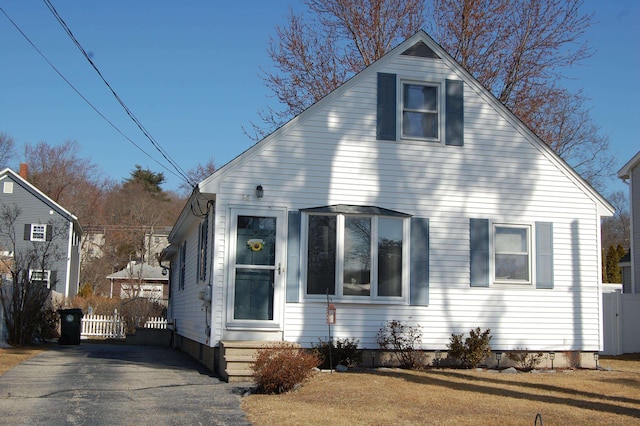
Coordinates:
x,y
256,267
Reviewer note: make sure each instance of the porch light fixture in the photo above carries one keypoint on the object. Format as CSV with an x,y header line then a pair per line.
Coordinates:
x,y
596,356
552,356
259,191
498,358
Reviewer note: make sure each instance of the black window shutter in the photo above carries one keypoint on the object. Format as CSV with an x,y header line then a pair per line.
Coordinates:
x,y
544,255
27,231
479,248
419,282
454,113
49,232
293,258
199,256
386,111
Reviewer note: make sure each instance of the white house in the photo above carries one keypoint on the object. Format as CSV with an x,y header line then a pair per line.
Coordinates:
x,y
409,193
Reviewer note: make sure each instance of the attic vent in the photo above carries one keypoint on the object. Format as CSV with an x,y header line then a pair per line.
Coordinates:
x,y
421,50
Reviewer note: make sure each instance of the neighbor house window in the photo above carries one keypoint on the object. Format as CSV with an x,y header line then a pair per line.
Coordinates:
x,y
40,277
356,256
38,232
420,111
512,253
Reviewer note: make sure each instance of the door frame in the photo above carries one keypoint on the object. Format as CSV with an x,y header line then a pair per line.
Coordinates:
x,y
279,281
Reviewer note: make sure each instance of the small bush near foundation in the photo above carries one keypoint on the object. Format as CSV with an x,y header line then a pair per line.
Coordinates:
x,y
343,351
278,368
470,352
404,340
524,359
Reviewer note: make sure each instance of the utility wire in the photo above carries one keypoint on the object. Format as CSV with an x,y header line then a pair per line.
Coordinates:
x,y
144,131
81,95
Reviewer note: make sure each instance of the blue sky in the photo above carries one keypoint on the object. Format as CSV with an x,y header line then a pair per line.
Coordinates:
x,y
190,72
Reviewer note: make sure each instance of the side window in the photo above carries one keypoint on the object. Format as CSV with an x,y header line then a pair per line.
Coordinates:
x,y
203,242
512,254
183,262
420,111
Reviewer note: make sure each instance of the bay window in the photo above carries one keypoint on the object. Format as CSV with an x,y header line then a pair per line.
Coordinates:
x,y
356,256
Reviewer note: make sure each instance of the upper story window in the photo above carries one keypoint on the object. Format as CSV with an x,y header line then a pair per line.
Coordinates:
x,y
356,256
420,111
512,253
36,232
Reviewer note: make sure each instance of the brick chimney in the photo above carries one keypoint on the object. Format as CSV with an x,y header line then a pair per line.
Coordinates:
x,y
24,171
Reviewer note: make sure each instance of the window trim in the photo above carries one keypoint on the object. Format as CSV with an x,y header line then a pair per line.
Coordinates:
x,y
373,297
530,228
440,105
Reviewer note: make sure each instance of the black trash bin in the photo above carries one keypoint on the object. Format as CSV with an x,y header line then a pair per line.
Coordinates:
x,y
70,326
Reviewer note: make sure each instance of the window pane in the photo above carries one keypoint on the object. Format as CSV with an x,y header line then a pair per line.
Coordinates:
x,y
419,124
256,240
38,232
422,98
389,257
511,240
357,256
321,255
512,267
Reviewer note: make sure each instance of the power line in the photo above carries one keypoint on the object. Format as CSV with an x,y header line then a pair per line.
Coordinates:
x,y
144,131
81,95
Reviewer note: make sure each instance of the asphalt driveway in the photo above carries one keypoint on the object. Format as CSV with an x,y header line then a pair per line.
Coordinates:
x,y
110,384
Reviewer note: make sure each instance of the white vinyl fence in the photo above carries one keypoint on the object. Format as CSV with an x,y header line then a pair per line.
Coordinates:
x,y
621,323
114,326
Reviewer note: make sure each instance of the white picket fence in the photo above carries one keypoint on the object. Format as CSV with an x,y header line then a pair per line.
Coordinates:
x,y
113,326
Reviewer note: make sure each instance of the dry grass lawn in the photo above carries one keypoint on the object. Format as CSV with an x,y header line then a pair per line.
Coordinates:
x,y
454,397
10,357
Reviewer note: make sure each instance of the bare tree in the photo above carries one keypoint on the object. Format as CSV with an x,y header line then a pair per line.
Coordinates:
x,y
519,49
616,229
25,296
197,174
315,53
68,179
7,150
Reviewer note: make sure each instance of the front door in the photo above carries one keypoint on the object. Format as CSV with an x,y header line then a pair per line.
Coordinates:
x,y
257,267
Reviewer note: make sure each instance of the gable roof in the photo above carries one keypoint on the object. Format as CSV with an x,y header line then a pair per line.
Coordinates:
x,y
41,196
625,172
422,45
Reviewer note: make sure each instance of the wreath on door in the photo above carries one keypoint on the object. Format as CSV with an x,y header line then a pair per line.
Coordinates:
x,y
255,244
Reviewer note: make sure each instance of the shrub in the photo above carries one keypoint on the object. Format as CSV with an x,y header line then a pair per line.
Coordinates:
x,y
403,340
524,359
343,351
278,368
470,352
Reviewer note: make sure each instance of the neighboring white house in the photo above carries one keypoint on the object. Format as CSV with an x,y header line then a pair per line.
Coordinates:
x,y
409,193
